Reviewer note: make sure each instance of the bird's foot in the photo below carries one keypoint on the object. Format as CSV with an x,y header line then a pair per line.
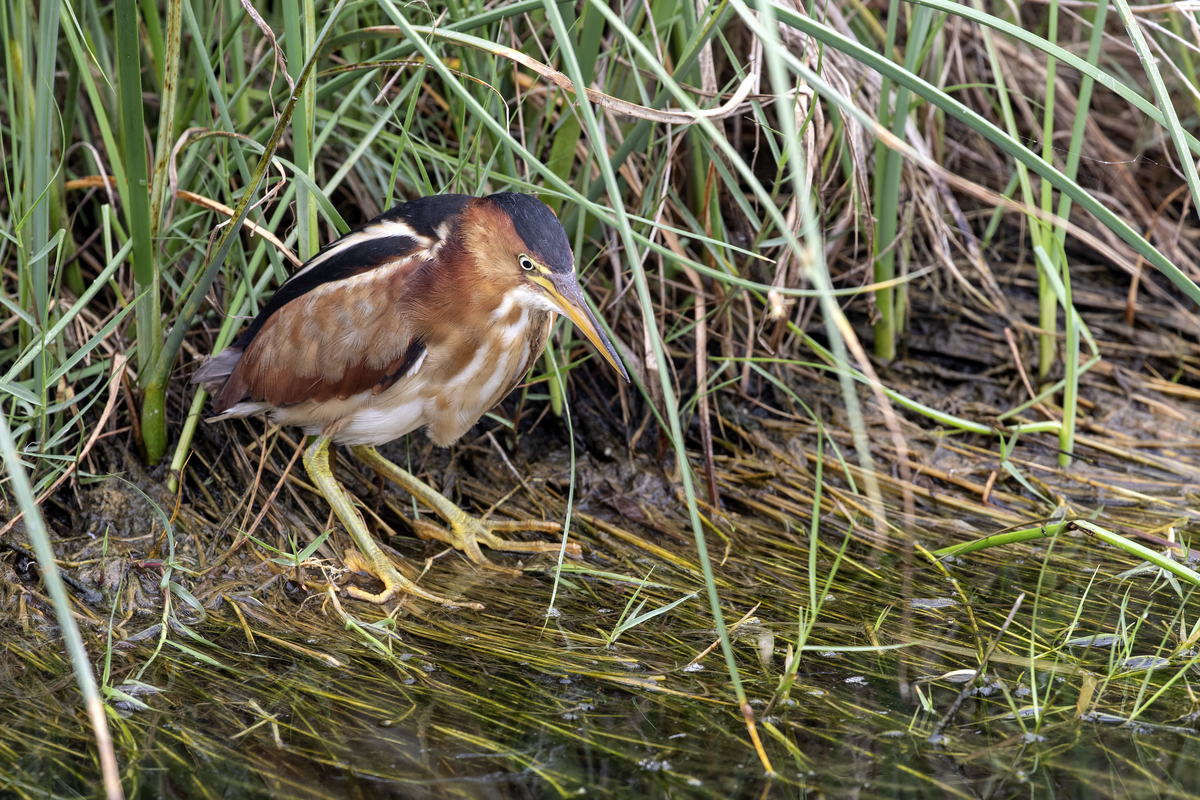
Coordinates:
x,y
466,533
394,583
369,558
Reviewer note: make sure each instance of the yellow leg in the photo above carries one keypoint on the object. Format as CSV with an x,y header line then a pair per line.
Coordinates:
x,y
466,532
316,461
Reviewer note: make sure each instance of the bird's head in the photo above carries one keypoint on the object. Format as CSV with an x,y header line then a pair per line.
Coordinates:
x,y
520,246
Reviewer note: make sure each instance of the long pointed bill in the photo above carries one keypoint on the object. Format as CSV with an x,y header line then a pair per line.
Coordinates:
x,y
564,291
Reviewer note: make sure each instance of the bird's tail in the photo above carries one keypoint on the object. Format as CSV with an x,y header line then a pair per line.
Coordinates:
x,y
214,372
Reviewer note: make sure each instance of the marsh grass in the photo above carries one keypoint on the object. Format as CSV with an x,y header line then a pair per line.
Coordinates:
x,y
752,192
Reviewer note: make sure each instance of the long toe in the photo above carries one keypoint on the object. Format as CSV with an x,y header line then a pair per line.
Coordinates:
x,y
394,584
467,533
464,531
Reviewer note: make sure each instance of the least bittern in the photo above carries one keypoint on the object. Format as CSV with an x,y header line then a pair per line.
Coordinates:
x,y
427,316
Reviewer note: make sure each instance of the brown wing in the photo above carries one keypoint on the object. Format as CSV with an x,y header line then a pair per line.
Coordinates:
x,y
341,324
336,341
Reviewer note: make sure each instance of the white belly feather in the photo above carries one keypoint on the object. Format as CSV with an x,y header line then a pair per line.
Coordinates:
x,y
427,397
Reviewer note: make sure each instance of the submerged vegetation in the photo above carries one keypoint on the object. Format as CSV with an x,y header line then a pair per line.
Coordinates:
x,y
900,501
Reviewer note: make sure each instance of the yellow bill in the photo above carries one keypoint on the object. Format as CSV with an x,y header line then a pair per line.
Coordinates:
x,y
565,293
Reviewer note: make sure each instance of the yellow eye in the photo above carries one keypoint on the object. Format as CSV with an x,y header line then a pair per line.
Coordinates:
x,y
524,261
